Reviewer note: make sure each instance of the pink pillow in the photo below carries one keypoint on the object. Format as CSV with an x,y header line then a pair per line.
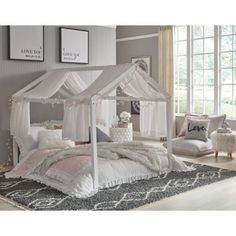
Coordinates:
x,y
80,143
183,129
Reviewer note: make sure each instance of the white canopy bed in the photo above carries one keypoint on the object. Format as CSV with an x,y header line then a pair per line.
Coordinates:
x,y
85,94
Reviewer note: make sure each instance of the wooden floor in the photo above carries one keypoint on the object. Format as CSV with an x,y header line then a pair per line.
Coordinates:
x,y
7,206
217,196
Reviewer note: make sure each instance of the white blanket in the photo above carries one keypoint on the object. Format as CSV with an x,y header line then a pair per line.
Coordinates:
x,y
146,155
70,170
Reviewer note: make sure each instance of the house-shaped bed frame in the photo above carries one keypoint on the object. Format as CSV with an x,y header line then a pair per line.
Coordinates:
x,y
137,84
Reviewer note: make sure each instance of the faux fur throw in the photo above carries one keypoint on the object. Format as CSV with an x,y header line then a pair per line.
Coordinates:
x,y
147,155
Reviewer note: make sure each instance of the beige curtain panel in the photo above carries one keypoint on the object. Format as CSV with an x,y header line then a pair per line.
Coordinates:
x,y
166,63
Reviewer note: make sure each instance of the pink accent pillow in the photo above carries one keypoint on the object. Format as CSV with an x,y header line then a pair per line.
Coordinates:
x,y
80,143
57,126
183,129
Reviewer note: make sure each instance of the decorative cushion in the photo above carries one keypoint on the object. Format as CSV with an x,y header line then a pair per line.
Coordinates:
x,y
215,123
30,142
197,129
56,134
190,147
47,138
53,124
190,116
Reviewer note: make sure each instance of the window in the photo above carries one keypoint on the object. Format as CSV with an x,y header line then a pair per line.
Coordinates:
x,y
228,70
181,70
205,69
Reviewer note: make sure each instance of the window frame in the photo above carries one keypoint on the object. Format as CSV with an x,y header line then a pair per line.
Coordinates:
x,y
217,69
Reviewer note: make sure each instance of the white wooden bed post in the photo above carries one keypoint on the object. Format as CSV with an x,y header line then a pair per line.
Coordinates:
x,y
169,129
14,143
15,152
94,142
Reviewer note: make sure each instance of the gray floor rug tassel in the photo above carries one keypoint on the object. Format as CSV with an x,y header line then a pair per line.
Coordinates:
x,y
37,196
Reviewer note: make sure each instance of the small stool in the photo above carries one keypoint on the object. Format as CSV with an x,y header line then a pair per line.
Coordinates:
x,y
224,142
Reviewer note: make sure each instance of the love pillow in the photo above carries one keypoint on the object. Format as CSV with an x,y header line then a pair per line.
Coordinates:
x,y
197,129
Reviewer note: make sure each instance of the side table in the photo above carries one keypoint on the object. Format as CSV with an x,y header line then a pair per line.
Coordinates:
x,y
224,142
120,134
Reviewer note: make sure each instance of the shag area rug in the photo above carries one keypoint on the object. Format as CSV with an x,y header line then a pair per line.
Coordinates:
x,y
36,196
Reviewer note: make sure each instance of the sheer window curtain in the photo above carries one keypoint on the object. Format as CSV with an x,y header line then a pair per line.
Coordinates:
x,y
166,63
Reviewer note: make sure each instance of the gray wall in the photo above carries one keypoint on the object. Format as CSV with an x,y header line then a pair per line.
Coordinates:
x,y
14,75
125,50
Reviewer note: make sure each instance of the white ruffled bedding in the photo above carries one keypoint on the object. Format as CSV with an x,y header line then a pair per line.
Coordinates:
x,y
70,170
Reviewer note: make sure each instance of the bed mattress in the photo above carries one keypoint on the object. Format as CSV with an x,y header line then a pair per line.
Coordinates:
x,y
73,175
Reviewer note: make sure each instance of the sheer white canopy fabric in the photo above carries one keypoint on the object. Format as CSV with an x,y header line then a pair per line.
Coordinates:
x,y
77,107
153,120
50,84
134,82
79,87
152,114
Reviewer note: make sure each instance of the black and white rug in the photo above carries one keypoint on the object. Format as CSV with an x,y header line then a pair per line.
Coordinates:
x,y
37,196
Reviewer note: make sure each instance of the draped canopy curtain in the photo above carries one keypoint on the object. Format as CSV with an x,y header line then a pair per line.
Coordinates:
x,y
157,111
166,63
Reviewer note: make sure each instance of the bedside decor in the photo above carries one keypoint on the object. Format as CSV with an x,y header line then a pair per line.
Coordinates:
x,y
74,46
123,131
26,43
125,117
119,134
224,130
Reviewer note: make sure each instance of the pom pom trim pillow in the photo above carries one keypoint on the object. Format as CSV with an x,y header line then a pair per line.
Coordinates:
x,y
197,129
53,139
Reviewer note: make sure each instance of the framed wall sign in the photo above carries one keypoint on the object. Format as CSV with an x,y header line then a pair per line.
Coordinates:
x,y
135,107
26,43
145,64
74,46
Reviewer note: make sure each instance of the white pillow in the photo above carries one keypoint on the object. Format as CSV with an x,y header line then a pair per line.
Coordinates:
x,y
53,139
55,143
29,142
57,133
48,136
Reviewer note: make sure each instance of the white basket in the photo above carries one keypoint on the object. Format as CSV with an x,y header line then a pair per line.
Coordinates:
x,y
120,135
